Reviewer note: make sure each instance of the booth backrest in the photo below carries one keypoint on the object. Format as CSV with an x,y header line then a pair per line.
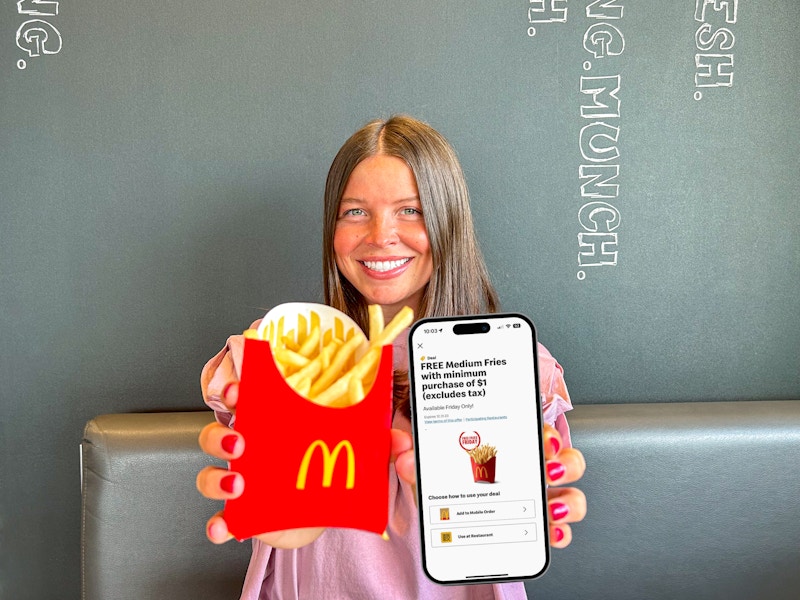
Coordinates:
x,y
686,500
695,501
143,520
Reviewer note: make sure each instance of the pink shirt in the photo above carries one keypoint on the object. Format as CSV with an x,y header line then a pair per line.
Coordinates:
x,y
348,563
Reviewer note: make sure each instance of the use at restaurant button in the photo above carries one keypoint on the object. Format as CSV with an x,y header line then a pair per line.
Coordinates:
x,y
483,534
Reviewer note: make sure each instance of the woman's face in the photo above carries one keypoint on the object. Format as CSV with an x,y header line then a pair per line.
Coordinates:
x,y
380,241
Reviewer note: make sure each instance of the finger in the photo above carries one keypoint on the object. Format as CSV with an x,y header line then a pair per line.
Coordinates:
x,y
217,529
568,466
565,505
219,484
402,454
401,442
405,463
221,442
560,535
552,441
230,395
406,467
291,538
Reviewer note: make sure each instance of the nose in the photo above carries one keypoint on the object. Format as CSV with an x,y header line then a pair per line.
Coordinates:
x,y
382,232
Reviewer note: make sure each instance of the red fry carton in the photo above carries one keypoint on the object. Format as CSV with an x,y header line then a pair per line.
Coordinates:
x,y
483,472
307,465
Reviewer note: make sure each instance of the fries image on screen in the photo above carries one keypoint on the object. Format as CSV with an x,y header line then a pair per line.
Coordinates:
x,y
483,462
482,453
321,365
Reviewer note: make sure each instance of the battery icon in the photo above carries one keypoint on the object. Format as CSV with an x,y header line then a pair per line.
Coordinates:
x,y
517,325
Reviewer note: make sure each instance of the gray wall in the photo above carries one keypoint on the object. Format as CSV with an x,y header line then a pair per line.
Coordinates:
x,y
162,164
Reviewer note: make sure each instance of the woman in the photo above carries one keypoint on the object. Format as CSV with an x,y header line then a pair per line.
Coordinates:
x,y
398,232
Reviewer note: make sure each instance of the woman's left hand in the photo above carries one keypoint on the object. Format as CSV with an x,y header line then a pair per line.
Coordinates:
x,y
562,465
565,505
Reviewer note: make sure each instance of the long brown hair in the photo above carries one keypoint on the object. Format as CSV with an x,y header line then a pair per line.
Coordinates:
x,y
460,282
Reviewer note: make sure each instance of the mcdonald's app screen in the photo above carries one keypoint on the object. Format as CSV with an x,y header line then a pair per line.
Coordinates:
x,y
477,432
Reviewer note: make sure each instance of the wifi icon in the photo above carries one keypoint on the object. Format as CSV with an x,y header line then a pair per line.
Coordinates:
x,y
508,325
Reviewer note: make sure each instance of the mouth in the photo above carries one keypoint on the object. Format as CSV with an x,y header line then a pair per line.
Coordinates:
x,y
384,266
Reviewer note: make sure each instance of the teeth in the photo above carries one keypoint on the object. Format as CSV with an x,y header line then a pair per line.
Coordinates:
x,y
384,265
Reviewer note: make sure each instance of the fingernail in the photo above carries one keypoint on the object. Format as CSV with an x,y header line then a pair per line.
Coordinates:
x,y
227,388
229,443
227,483
558,534
217,532
555,445
555,470
558,510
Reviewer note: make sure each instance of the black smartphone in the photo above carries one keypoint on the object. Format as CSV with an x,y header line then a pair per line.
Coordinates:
x,y
476,418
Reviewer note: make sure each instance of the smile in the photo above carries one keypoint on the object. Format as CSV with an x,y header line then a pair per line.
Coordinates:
x,y
382,266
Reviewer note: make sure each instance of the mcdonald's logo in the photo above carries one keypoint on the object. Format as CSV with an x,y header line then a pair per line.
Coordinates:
x,y
328,463
481,472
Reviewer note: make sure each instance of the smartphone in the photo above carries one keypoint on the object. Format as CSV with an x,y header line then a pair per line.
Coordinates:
x,y
476,419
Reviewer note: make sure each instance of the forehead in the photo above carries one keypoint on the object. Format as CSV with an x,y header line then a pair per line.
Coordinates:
x,y
381,177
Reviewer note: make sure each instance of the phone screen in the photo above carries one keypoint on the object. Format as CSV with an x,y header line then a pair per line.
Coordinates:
x,y
476,418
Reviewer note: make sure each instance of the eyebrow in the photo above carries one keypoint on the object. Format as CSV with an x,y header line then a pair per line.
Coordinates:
x,y
362,201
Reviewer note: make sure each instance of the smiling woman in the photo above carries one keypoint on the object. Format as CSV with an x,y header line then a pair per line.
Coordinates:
x,y
398,232
380,240
430,178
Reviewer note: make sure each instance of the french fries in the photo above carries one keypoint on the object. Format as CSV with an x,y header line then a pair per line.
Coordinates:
x,y
322,365
375,320
483,453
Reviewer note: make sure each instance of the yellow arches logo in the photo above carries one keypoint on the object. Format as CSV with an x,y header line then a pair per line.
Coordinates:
x,y
481,472
328,463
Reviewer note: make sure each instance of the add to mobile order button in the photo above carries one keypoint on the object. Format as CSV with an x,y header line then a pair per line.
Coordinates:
x,y
483,511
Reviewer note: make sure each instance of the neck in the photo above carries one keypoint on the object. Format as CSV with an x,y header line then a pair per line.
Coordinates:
x,y
391,310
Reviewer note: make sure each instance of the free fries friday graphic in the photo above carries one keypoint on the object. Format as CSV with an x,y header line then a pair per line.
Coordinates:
x,y
482,456
315,408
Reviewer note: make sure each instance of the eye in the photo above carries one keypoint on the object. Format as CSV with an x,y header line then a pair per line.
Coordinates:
x,y
411,211
353,212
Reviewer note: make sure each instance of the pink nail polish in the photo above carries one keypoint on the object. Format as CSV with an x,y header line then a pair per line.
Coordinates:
x,y
229,443
555,470
227,388
554,445
558,510
215,530
227,483
558,534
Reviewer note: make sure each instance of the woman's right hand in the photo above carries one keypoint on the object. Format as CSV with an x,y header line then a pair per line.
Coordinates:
x,y
218,483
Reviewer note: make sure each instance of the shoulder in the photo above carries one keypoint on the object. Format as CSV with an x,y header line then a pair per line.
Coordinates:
x,y
548,365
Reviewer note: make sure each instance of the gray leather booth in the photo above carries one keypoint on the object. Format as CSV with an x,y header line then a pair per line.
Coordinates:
x,y
693,501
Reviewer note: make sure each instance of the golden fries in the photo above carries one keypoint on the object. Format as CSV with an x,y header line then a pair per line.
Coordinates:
x,y
375,320
332,367
401,320
290,358
355,390
482,453
310,346
337,364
